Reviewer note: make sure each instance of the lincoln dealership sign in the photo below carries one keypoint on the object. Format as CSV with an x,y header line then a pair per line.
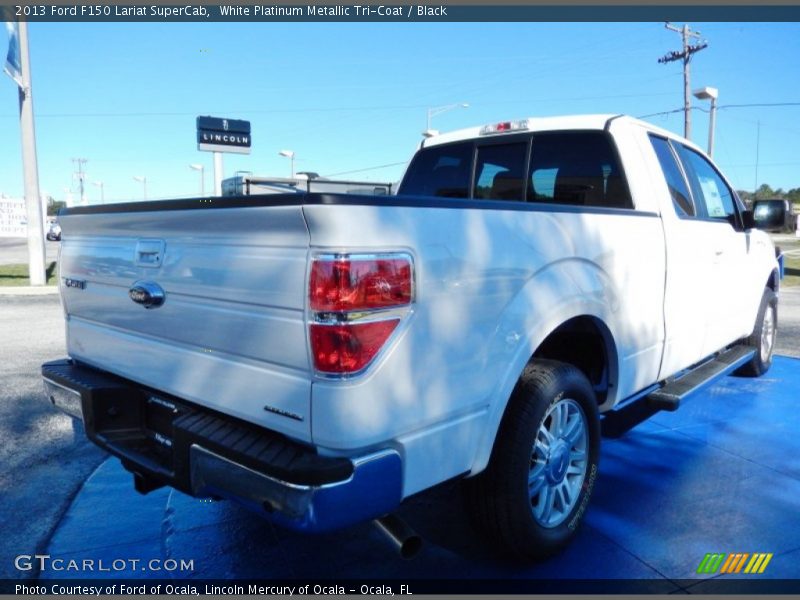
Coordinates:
x,y
223,135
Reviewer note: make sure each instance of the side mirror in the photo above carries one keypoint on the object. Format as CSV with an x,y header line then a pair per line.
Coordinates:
x,y
748,220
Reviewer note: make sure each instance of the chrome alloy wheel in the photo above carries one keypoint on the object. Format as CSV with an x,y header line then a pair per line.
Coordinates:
x,y
768,331
558,463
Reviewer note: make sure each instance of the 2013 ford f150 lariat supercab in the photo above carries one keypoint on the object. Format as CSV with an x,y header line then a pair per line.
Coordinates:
x,y
321,357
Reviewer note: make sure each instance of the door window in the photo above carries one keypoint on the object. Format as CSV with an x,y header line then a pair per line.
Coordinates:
x,y
713,197
678,189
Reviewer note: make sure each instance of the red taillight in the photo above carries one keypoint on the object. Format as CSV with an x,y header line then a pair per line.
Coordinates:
x,y
343,285
344,292
350,347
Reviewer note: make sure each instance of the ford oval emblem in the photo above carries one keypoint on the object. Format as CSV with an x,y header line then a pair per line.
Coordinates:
x,y
147,293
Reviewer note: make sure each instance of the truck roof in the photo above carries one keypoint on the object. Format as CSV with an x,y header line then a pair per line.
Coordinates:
x,y
556,123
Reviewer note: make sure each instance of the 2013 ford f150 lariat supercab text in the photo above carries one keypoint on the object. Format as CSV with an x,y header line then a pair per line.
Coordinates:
x,y
321,357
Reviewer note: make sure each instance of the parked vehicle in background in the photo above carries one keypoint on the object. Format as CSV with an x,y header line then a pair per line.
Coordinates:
x,y
302,183
53,231
775,214
321,357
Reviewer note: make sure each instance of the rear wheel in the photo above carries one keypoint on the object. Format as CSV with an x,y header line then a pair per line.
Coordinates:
x,y
534,493
763,337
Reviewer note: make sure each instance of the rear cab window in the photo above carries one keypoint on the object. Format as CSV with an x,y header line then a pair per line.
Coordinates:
x,y
442,171
577,168
500,172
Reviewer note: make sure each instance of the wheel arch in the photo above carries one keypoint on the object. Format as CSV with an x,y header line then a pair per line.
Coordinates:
x,y
597,357
773,282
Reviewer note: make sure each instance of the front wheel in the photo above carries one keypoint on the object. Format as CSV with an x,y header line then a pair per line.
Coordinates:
x,y
534,493
763,337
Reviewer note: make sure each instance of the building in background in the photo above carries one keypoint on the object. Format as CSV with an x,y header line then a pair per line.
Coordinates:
x,y
14,217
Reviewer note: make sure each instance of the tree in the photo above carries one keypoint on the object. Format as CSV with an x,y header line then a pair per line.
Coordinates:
x,y
53,206
764,191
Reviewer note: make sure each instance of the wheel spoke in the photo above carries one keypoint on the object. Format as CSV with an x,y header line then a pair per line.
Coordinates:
x,y
545,506
566,495
540,448
574,469
577,456
563,418
548,437
557,420
574,431
536,481
767,334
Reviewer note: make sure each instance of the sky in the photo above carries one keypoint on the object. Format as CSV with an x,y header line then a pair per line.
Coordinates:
x,y
350,97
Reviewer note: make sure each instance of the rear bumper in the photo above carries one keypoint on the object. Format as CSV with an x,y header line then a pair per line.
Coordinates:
x,y
166,441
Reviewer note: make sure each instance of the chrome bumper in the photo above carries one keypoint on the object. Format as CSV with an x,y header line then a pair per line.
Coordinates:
x,y
64,399
166,442
374,489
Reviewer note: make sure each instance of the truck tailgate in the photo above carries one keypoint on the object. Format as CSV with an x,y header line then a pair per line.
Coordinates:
x,y
230,334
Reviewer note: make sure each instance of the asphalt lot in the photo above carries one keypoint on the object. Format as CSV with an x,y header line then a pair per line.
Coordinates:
x,y
14,251
788,342
43,460
44,457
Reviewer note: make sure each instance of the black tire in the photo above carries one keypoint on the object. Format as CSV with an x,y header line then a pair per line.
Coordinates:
x,y
763,337
500,499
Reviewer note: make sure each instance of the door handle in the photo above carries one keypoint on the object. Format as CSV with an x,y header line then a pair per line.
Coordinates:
x,y
149,253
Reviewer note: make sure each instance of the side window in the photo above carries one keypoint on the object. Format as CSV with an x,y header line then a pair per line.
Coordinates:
x,y
577,168
440,171
500,172
681,199
713,197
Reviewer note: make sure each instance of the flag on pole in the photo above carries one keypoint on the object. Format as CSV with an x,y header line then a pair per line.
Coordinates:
x,y
13,66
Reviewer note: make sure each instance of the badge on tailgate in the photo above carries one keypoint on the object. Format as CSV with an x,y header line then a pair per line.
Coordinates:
x,y
147,293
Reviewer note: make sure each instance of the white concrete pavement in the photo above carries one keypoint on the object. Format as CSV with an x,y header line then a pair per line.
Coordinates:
x,y
14,251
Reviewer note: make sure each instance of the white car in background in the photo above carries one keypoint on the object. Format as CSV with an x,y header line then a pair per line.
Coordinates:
x,y
54,231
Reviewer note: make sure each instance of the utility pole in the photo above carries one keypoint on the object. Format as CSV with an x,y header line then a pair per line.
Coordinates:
x,y
18,66
685,55
79,173
758,143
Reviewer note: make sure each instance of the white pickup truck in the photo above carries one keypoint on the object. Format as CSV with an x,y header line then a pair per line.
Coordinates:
x,y
321,357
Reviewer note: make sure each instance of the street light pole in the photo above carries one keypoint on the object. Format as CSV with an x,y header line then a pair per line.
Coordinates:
x,y
290,155
709,93
201,168
143,180
218,169
102,195
432,112
712,124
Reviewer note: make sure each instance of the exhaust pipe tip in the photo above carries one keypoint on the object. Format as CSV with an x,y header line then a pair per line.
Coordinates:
x,y
407,542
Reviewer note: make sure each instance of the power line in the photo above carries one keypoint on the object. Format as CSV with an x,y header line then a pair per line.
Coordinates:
x,y
367,169
684,55
658,114
705,110
759,104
